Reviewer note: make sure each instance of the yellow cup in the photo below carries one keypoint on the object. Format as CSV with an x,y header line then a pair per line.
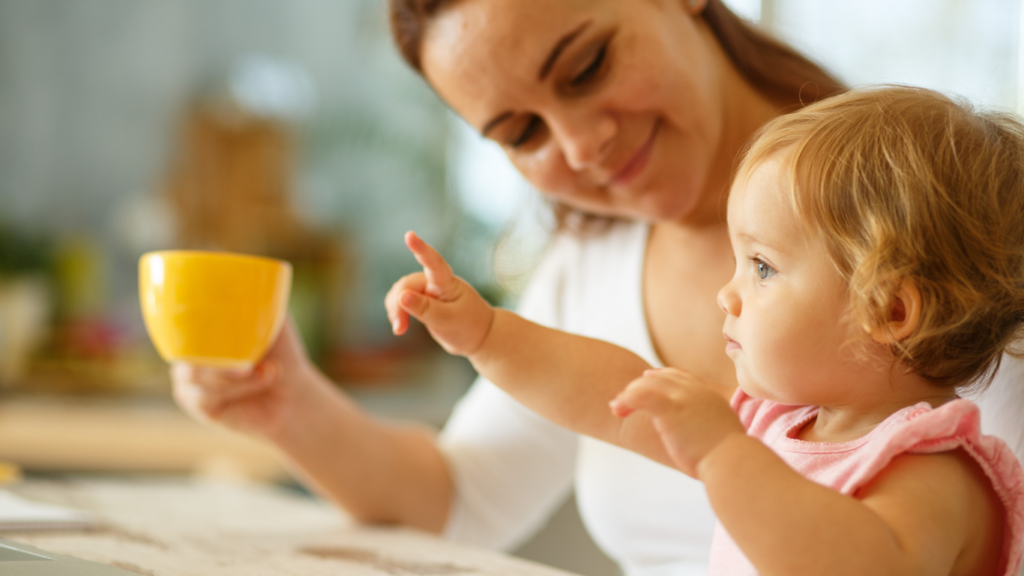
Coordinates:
x,y
213,308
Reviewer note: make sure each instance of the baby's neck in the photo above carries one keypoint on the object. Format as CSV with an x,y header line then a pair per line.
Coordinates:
x,y
854,419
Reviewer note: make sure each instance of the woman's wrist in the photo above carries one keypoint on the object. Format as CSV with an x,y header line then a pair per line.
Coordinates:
x,y
315,399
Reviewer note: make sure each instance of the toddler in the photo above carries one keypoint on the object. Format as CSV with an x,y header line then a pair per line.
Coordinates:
x,y
879,244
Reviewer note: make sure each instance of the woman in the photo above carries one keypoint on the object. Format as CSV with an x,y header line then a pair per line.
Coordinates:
x,y
629,115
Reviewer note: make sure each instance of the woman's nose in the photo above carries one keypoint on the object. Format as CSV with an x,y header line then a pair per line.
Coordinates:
x,y
729,300
584,139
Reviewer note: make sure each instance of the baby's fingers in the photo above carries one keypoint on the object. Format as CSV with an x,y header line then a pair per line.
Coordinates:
x,y
646,393
440,279
398,316
417,305
668,373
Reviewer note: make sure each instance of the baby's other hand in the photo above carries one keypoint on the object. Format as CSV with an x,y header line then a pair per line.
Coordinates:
x,y
455,315
691,415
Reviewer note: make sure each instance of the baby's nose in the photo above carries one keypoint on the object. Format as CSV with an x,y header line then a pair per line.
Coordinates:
x,y
729,300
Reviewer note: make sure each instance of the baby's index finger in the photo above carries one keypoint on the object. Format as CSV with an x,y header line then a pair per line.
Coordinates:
x,y
439,274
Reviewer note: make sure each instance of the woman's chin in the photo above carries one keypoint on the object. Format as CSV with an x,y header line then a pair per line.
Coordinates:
x,y
662,206
652,204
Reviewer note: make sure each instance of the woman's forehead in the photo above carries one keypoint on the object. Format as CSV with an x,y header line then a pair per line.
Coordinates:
x,y
480,52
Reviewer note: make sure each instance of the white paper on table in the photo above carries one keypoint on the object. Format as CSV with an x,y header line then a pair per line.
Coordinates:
x,y
17,513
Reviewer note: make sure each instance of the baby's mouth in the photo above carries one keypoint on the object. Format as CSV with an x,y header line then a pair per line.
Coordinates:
x,y
731,344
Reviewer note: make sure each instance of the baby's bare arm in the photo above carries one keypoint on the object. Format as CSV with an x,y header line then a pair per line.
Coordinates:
x,y
566,378
925,515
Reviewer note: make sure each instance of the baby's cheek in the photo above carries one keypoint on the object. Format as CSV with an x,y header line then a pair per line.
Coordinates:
x,y
769,373
749,382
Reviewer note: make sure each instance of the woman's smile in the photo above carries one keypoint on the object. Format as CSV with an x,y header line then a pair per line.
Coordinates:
x,y
635,165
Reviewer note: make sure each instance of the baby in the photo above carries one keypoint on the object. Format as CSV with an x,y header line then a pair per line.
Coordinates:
x,y
879,244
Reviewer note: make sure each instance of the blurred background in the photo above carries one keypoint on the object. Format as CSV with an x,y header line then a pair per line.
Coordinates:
x,y
291,128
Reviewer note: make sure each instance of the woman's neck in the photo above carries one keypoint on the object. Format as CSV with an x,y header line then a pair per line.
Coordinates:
x,y
745,111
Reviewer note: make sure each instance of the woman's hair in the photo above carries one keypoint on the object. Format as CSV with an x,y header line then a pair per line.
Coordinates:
x,y
776,70
905,183
772,67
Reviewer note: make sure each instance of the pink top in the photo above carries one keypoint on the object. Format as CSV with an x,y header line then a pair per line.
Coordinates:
x,y
847,466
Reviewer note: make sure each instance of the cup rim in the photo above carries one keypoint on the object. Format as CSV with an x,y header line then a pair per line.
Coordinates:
x,y
217,254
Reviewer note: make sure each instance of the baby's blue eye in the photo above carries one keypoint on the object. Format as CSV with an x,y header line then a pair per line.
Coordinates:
x,y
764,271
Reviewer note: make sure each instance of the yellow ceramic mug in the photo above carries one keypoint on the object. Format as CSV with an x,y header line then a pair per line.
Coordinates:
x,y
213,308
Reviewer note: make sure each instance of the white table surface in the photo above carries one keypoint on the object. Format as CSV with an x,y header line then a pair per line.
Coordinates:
x,y
176,527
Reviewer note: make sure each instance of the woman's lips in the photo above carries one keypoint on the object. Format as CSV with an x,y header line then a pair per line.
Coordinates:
x,y
638,162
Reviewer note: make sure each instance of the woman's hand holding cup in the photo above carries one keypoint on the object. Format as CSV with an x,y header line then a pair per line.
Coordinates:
x,y
260,401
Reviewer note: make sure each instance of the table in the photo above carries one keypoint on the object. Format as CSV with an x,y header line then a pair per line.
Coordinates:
x,y
181,527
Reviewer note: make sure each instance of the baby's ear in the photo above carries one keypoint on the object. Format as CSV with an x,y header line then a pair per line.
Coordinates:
x,y
904,315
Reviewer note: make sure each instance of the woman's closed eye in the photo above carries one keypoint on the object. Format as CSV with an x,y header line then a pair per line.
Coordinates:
x,y
592,70
595,69
763,270
533,125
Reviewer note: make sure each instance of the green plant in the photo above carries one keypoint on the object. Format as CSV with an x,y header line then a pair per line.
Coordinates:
x,y
22,252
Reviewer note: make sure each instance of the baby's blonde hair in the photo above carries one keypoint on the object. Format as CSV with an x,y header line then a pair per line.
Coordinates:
x,y
905,183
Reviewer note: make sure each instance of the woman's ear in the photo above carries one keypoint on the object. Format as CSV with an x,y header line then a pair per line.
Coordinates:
x,y
904,315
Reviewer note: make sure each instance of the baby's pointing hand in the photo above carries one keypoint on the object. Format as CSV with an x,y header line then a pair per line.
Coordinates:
x,y
454,314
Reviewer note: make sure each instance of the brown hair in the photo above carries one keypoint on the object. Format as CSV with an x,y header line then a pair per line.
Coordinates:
x,y
902,184
776,70
772,67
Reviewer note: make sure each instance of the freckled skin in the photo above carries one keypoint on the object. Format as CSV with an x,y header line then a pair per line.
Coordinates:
x,y
660,70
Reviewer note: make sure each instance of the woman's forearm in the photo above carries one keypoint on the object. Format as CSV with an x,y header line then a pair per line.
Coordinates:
x,y
378,472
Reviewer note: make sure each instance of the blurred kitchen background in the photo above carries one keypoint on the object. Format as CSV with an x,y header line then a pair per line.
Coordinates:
x,y
291,128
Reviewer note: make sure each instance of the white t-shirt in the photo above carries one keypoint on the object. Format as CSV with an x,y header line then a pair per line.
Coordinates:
x,y
512,468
